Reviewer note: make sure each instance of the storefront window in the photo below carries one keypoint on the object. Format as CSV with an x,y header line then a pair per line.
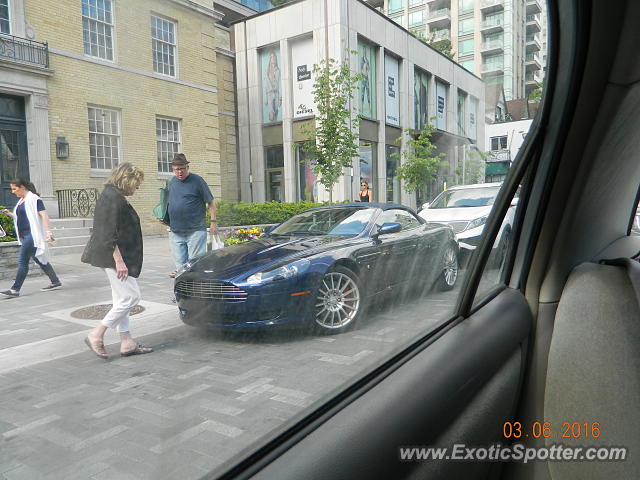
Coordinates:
x,y
393,182
274,172
368,154
307,184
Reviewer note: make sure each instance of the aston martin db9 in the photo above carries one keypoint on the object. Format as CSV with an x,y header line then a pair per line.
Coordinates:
x,y
320,268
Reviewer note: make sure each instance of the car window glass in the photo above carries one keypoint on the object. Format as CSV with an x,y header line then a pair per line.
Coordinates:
x,y
333,221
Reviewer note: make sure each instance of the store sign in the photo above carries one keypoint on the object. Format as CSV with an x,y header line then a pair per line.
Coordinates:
x,y
302,59
441,106
392,97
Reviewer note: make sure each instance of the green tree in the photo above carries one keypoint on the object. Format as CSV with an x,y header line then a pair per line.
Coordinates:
x,y
473,169
333,140
536,95
419,161
443,46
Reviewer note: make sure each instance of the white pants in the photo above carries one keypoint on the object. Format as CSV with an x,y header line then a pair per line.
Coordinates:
x,y
126,295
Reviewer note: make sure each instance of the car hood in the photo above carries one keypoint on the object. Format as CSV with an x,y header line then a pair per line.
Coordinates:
x,y
234,260
454,214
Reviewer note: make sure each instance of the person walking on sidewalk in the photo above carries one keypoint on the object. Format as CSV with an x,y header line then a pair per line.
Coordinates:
x,y
188,194
116,246
31,223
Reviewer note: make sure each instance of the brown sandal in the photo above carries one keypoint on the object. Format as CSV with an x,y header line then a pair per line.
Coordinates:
x,y
97,348
139,350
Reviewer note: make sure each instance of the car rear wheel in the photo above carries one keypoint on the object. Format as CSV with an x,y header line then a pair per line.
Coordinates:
x,y
338,301
450,269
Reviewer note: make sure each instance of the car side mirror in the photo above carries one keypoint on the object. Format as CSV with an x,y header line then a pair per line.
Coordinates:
x,y
425,205
389,227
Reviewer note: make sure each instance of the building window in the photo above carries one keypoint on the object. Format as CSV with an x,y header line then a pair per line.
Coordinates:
x,y
97,28
168,142
416,18
465,47
415,3
468,64
400,20
104,138
369,164
465,6
5,23
163,34
498,143
465,26
395,6
462,130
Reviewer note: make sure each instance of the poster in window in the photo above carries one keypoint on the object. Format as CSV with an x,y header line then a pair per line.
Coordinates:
x,y
392,95
441,106
308,178
302,60
271,85
367,87
420,99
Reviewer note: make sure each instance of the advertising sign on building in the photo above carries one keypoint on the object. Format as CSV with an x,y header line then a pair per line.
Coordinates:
x,y
420,99
473,113
271,84
302,60
441,106
367,86
392,95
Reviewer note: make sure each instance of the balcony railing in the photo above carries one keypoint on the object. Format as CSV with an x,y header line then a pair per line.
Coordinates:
x,y
532,38
23,50
443,12
493,45
532,57
444,34
79,202
491,23
532,18
492,67
492,3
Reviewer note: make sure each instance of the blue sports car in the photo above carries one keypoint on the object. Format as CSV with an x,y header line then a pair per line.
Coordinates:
x,y
319,269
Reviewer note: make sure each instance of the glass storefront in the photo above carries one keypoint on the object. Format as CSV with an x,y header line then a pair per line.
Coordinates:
x,y
368,162
274,173
307,179
393,182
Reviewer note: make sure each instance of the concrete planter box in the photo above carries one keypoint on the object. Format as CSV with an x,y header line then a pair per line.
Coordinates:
x,y
9,261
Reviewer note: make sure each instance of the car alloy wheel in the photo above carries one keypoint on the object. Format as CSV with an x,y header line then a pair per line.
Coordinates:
x,y
450,269
338,300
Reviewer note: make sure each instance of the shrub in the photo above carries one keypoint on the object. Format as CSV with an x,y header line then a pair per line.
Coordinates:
x,y
242,235
231,214
7,225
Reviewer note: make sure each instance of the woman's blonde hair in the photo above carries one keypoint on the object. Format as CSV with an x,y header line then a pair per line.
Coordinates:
x,y
125,177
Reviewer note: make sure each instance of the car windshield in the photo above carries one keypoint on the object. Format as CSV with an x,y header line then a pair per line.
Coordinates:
x,y
348,221
470,197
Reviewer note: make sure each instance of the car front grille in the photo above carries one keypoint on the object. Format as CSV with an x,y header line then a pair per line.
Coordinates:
x,y
211,290
458,226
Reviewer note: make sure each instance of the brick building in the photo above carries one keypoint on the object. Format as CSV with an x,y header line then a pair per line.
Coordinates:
x,y
117,80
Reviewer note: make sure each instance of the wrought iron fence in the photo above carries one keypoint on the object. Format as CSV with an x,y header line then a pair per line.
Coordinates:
x,y
78,202
23,50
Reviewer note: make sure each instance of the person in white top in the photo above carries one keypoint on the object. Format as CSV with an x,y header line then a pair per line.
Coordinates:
x,y
31,223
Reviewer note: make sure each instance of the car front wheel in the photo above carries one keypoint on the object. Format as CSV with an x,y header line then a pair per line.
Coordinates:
x,y
450,269
338,302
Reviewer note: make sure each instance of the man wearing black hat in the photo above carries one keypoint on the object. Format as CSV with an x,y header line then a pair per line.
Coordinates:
x,y
188,195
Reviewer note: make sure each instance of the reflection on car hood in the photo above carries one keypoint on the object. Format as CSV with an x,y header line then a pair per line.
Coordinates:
x,y
233,260
454,214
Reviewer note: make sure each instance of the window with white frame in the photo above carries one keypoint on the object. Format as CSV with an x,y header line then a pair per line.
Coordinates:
x,y
498,143
416,18
104,138
168,142
163,34
97,28
5,22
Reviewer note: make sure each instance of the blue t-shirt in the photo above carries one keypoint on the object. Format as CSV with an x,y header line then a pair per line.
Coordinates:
x,y
187,200
23,221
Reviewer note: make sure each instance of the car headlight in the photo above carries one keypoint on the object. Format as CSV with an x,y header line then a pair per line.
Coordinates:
x,y
280,273
478,222
185,267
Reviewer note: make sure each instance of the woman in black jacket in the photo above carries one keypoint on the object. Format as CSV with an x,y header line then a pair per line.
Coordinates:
x,y
116,246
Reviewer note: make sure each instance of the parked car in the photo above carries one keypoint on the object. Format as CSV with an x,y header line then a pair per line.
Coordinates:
x,y
466,208
321,268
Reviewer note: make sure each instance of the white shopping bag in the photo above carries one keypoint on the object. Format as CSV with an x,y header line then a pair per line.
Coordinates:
x,y
215,243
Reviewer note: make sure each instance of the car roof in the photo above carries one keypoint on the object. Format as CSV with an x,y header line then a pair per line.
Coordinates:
x,y
475,185
380,205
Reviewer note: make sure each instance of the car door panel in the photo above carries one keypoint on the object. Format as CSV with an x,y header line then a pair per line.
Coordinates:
x,y
434,397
